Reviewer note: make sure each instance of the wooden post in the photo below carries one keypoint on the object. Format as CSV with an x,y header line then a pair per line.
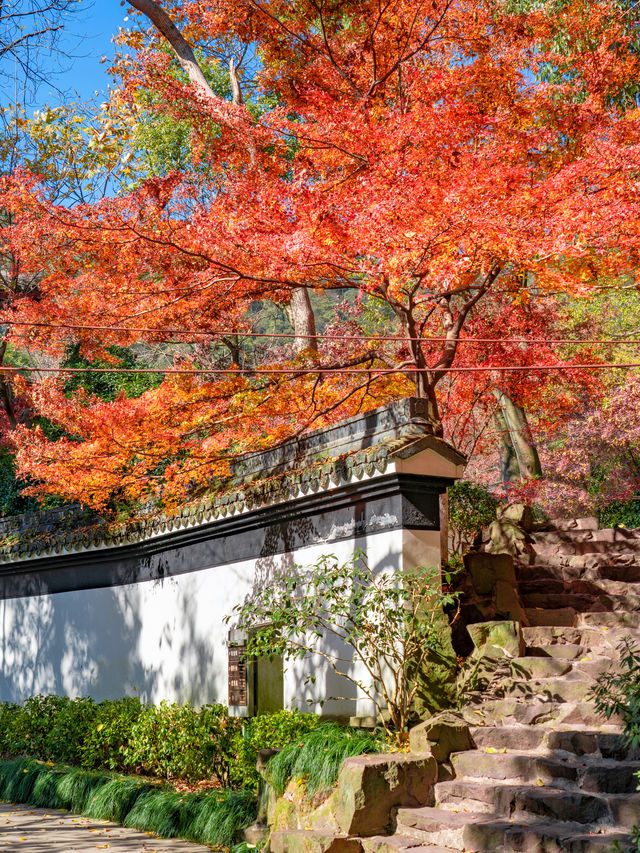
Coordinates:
x,y
444,529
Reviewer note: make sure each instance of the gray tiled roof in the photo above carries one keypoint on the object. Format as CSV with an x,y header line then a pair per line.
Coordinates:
x,y
352,449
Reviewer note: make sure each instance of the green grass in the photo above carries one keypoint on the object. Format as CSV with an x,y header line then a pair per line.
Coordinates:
x,y
317,759
213,817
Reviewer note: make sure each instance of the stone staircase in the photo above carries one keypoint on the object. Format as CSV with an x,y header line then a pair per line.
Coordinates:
x,y
547,774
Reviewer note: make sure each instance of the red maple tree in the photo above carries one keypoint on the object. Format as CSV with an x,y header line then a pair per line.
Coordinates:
x,y
427,155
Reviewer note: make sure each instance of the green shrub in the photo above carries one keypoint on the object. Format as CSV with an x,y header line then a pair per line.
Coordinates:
x,y
316,760
47,727
617,691
179,742
625,513
110,731
268,731
471,507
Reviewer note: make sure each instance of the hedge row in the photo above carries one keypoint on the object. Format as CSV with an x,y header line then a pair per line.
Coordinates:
x,y
168,741
215,817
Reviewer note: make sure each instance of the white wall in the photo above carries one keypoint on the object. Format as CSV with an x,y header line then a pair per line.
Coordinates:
x,y
162,639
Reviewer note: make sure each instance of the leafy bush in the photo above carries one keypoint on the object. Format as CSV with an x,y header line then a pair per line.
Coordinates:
x,y
626,513
169,741
48,727
110,731
178,741
617,691
471,507
215,818
317,759
268,731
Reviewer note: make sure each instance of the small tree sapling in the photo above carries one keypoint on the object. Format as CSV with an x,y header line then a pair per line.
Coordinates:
x,y
387,623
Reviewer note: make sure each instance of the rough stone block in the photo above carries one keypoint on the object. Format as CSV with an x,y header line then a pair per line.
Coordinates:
x,y
441,735
506,537
485,568
519,514
310,841
371,788
503,635
507,600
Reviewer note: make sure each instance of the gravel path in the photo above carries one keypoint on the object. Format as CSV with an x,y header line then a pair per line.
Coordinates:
x,y
27,830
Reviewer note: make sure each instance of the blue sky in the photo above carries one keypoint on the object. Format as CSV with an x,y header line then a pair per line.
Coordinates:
x,y
87,39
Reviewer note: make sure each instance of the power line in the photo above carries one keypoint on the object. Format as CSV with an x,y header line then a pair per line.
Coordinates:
x,y
244,334
379,371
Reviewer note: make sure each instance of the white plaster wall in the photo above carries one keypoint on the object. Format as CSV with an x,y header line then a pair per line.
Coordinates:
x,y
164,639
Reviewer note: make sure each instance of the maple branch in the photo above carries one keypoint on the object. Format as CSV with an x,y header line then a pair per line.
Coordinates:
x,y
297,37
186,57
406,57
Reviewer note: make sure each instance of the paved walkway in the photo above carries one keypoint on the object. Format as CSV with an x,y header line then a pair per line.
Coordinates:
x,y
27,830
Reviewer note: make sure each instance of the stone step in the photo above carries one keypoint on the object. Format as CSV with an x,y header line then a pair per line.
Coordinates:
x,y
567,600
624,574
312,841
607,534
523,802
508,737
582,603
398,844
565,616
615,619
564,584
516,711
588,666
625,809
573,687
604,575
591,638
587,523
479,833
548,740
538,667
568,651
593,775
590,546
579,563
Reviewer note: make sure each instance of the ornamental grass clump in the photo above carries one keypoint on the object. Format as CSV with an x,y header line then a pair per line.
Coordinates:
x,y
316,761
213,817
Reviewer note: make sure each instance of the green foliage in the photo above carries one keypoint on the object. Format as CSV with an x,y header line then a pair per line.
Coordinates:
x,y
268,731
181,742
471,507
169,741
11,501
617,691
391,621
316,759
52,728
107,386
215,818
110,731
626,513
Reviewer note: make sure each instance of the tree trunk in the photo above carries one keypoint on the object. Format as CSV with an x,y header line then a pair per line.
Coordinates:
x,y
304,324
519,432
6,395
509,468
